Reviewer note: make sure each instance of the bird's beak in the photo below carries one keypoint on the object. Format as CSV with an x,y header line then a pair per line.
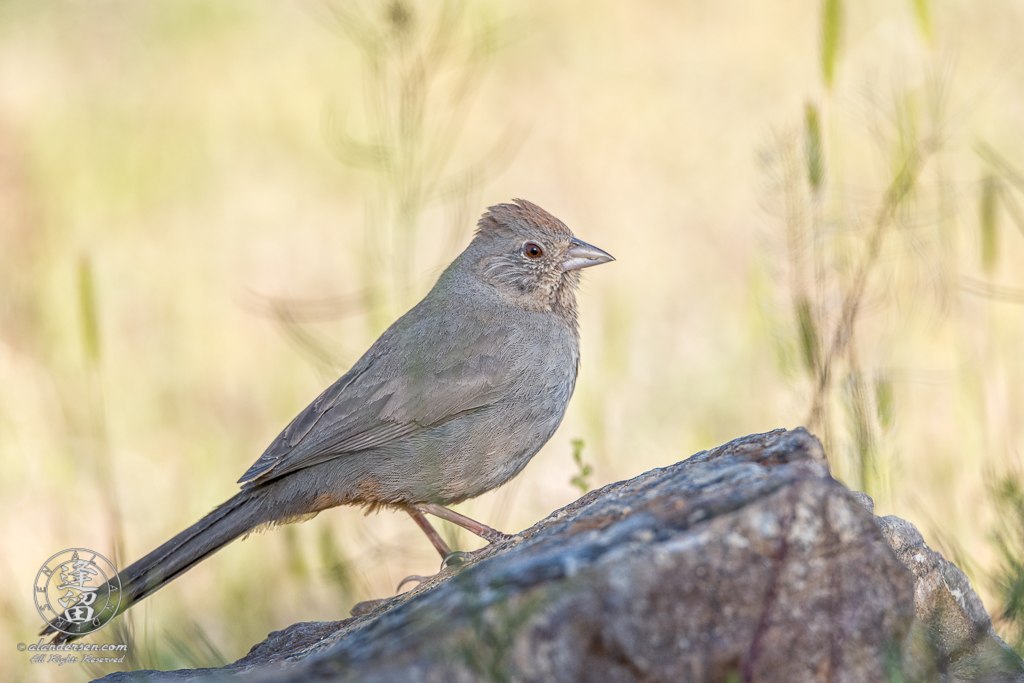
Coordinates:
x,y
583,255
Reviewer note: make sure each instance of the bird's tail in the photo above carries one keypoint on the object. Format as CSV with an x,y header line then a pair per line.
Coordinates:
x,y
236,517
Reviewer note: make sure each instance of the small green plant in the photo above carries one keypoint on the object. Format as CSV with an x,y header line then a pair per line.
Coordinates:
x,y
1007,493
585,470
839,262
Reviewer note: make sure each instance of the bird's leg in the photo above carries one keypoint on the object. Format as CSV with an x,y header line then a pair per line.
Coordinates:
x,y
447,556
430,531
483,531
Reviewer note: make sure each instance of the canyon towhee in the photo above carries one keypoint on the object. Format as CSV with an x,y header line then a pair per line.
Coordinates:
x,y
450,402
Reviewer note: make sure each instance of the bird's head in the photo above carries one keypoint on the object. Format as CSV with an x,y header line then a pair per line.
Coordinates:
x,y
532,258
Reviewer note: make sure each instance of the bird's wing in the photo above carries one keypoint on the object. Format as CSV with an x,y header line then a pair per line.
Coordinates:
x,y
400,387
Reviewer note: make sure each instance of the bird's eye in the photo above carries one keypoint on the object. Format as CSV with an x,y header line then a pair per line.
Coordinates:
x,y
533,250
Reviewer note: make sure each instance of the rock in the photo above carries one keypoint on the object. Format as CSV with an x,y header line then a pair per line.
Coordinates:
x,y
744,563
950,611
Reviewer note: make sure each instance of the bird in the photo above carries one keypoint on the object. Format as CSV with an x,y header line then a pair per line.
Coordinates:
x,y
452,401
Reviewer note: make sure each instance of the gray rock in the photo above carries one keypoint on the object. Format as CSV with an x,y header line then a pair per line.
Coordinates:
x,y
950,611
744,563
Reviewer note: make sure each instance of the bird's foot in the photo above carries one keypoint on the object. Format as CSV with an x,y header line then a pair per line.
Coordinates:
x,y
455,558
495,536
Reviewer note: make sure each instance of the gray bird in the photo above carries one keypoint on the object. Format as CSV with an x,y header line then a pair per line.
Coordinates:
x,y
450,402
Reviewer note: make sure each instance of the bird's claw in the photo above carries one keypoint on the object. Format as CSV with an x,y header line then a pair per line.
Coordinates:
x,y
415,577
455,558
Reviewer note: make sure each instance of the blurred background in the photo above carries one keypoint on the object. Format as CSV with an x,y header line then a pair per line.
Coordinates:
x,y
209,209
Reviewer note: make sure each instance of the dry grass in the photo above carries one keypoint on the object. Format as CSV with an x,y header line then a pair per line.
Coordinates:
x,y
185,261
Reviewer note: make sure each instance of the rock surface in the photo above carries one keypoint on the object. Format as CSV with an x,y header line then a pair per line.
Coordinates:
x,y
949,612
744,563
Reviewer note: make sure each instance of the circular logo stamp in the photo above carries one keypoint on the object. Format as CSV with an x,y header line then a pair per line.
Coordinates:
x,y
77,591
